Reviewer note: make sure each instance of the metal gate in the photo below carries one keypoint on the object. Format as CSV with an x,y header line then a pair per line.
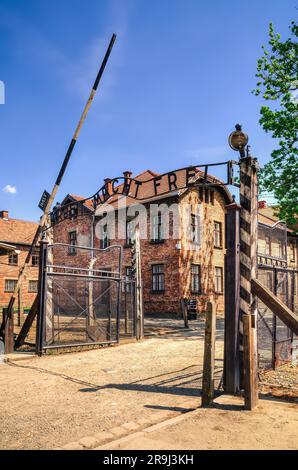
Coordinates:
x,y
275,339
80,296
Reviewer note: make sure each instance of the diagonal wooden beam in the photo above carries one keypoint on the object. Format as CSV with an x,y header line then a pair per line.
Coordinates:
x,y
289,318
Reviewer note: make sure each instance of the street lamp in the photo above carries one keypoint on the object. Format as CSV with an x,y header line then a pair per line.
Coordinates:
x,y
238,140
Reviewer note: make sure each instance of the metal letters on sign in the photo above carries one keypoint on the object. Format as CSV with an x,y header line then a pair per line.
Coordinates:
x,y
192,176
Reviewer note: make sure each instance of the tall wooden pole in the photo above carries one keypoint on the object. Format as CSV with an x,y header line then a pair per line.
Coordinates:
x,y
231,380
51,198
248,271
43,220
209,356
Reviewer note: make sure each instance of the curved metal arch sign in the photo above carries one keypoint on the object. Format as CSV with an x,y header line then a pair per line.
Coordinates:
x,y
159,185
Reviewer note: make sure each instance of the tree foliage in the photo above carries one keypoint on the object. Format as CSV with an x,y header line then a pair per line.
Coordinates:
x,y
277,72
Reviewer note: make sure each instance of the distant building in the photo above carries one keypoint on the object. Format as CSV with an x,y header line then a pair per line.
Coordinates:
x,y
15,239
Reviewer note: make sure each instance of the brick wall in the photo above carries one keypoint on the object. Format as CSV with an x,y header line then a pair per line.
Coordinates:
x,y
8,271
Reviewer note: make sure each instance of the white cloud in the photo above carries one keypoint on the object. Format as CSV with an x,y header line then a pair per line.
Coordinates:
x,y
9,189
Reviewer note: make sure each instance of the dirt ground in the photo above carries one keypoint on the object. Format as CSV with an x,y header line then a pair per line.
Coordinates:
x,y
51,401
226,426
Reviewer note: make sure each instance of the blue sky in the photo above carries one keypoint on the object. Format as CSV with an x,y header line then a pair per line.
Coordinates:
x,y
178,79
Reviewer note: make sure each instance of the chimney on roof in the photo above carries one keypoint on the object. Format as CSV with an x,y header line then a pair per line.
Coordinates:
x,y
127,174
3,214
262,204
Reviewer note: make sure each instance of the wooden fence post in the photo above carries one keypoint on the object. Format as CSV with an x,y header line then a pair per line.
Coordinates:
x,y
209,356
8,330
248,271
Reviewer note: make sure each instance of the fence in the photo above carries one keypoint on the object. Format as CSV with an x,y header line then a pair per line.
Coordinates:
x,y
275,340
80,293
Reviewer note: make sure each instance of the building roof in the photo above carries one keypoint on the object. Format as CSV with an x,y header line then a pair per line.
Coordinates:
x,y
268,215
17,231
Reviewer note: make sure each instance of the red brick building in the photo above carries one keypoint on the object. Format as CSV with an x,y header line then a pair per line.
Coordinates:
x,y
186,263
15,239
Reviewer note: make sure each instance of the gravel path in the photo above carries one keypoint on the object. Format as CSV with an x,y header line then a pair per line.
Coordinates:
x,y
50,401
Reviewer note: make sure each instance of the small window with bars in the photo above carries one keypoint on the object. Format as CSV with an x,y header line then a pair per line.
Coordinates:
x,y
72,239
10,285
13,259
32,286
195,278
158,278
218,279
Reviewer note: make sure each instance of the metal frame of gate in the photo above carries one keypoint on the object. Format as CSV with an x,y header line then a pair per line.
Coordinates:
x,y
275,339
51,272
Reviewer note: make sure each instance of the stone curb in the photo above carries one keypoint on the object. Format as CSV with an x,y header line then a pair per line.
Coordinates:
x,y
119,434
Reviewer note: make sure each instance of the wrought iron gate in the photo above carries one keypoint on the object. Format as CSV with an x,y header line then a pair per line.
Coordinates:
x,y
80,296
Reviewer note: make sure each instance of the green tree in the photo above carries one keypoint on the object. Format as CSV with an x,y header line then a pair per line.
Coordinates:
x,y
277,72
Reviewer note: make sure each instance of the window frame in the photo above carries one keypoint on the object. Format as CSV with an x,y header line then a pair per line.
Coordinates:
x,y
104,241
215,231
160,277
198,274
221,277
11,255
160,228
30,291
10,280
194,228
72,250
35,256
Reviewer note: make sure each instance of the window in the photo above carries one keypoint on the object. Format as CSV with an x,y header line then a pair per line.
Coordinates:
x,y
10,285
157,228
158,279
280,249
194,228
130,232
217,234
218,279
207,196
33,286
267,246
13,259
127,285
72,236
195,278
35,260
104,242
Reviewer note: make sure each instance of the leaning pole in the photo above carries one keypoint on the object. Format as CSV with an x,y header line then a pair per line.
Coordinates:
x,y
47,199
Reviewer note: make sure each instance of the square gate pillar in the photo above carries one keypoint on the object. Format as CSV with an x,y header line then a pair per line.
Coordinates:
x,y
248,271
232,289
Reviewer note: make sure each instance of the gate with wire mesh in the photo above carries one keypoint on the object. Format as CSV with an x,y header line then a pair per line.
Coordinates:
x,y
81,290
275,339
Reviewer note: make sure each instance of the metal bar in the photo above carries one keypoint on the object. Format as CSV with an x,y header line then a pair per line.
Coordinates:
x,y
85,276
68,345
40,328
53,245
73,268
